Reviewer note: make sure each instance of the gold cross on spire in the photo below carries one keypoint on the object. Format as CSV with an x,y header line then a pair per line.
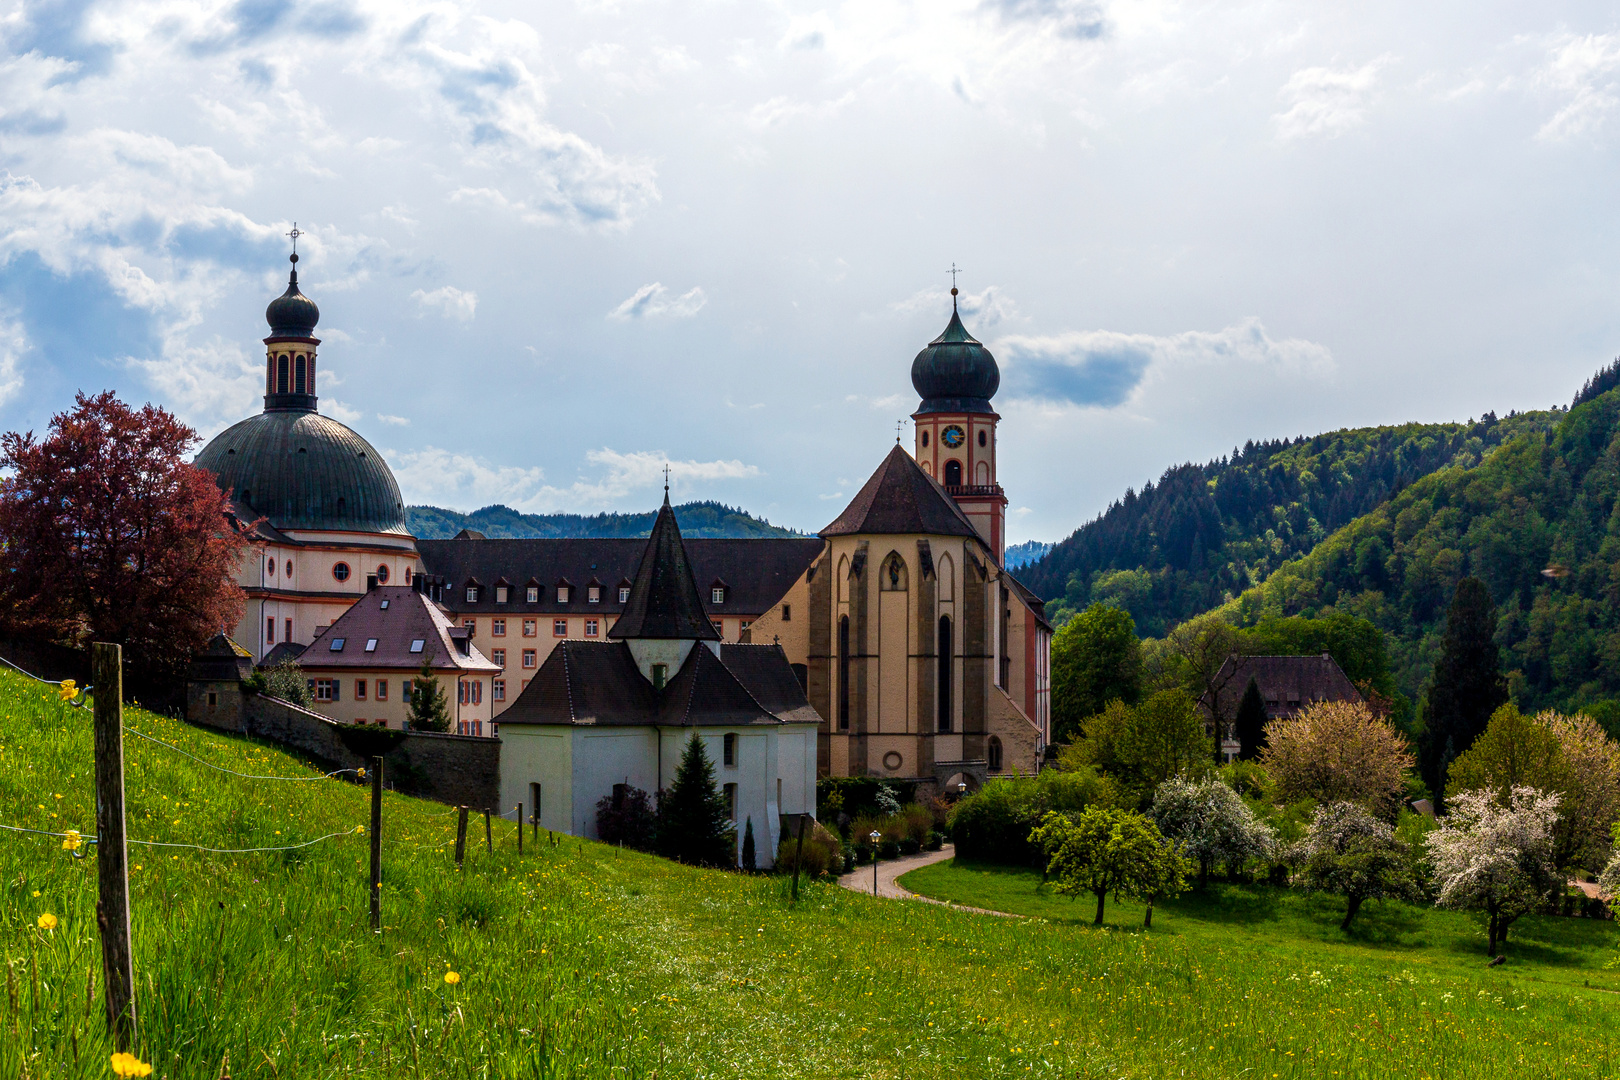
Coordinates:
x,y
954,272
295,234
666,478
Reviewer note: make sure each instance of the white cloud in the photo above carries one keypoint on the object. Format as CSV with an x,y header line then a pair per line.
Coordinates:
x,y
1105,368
1583,72
209,386
1327,101
652,300
397,421
339,410
13,344
985,310
449,301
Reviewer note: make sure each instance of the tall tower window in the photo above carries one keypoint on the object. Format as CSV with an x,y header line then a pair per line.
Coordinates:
x,y
843,673
944,694
953,473
281,374
298,373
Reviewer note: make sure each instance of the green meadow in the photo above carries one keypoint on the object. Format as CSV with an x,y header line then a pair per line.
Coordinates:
x,y
577,960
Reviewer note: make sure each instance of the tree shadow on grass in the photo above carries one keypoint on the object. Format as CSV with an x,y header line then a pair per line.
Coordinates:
x,y
1244,905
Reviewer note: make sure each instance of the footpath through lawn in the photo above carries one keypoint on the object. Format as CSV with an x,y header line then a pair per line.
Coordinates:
x,y
576,960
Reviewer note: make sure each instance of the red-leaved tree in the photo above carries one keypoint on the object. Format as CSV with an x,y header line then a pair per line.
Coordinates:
x,y
107,533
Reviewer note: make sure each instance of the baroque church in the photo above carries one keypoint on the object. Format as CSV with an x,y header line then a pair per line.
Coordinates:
x,y
920,656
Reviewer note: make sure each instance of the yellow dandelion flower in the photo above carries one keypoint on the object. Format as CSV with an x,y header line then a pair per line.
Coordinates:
x,y
129,1065
72,841
451,978
46,921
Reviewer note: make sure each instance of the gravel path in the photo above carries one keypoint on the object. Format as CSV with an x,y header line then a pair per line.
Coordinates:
x,y
860,880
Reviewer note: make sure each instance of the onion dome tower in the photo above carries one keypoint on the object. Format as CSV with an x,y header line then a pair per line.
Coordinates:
x,y
955,425
290,464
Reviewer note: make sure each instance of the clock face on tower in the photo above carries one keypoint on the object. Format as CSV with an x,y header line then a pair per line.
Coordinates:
x,y
953,437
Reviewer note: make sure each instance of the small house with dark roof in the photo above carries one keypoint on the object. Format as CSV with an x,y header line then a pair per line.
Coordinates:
x,y
620,711
1287,684
362,668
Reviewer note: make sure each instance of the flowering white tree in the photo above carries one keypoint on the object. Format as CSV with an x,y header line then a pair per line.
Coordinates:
x,y
1350,852
1211,823
1496,858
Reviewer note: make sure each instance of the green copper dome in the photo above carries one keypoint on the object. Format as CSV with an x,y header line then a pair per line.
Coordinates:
x,y
302,470
955,373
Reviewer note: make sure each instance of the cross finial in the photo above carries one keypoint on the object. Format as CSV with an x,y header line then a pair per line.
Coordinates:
x,y
666,479
954,272
899,426
295,234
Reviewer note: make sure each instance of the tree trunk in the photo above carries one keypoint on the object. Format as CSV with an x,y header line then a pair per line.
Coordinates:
x,y
1350,911
1147,920
1102,894
1490,933
1203,874
1502,925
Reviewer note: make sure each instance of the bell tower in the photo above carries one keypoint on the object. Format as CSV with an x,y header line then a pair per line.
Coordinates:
x,y
289,380
955,426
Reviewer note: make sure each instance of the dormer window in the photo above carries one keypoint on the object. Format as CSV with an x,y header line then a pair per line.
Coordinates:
x,y
624,594
337,644
532,595
472,594
562,594
717,595
593,595
500,594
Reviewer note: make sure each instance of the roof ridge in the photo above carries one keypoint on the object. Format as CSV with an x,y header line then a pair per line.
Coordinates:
x,y
744,686
568,685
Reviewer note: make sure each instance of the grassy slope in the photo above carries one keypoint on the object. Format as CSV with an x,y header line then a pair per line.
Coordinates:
x,y
579,961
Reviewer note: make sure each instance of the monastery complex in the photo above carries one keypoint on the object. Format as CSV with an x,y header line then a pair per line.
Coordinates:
x,y
894,644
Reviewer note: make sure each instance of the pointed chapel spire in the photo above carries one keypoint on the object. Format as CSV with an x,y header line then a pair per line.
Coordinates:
x,y
664,600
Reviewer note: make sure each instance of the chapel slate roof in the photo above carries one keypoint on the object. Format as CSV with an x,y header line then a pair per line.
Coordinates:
x,y
901,498
757,571
597,684
408,616
664,601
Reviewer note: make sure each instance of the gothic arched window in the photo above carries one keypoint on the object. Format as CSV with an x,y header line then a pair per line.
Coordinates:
x,y
992,753
945,664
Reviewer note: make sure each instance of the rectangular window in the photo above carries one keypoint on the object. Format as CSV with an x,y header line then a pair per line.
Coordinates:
x,y
405,691
624,594
731,801
590,627
562,594
498,690
787,612
532,594
270,630
529,658
498,656
497,628
325,689
461,691
371,644
500,594
288,635
593,595
729,755
417,643
382,689
717,595
529,627
472,594
559,627
744,624
470,624
338,643
477,692
359,689
719,626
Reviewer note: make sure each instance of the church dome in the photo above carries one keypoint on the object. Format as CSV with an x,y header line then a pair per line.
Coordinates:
x,y
302,470
292,314
955,373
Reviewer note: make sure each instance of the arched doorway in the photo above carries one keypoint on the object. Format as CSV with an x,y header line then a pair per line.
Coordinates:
x,y
953,474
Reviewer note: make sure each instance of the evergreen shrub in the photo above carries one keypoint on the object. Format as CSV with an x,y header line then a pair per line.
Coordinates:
x,y
993,824
823,853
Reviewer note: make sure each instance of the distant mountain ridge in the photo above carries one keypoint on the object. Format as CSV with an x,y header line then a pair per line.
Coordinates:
x,y
1206,533
696,519
1025,553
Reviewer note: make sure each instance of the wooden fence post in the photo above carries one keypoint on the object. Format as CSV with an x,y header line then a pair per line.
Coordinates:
x,y
376,842
112,851
461,836
489,839
798,858
520,828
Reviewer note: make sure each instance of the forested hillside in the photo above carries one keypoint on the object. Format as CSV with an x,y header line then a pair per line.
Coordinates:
x,y
1537,521
1205,533
696,519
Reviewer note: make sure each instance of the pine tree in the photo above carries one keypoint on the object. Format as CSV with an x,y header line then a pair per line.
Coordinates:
x,y
694,823
748,858
1468,685
429,710
1250,724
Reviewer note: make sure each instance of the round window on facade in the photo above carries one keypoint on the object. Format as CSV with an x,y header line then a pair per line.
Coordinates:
x,y
925,438
382,573
892,760
270,568
981,438
340,571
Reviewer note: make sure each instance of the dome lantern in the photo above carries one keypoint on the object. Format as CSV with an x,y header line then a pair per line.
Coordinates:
x,y
289,380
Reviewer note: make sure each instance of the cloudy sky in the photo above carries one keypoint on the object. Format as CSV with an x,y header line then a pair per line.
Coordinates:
x,y
556,245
